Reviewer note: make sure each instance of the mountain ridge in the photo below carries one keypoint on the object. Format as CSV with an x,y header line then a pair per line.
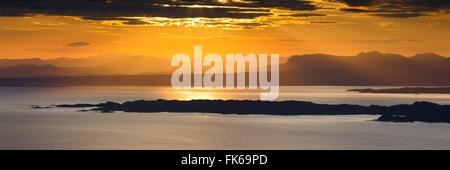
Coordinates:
x,y
366,68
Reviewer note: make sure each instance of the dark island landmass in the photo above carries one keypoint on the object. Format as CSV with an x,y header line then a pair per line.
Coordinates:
x,y
418,111
407,90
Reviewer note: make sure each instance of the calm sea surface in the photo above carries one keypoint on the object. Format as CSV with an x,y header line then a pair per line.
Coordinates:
x,y
24,128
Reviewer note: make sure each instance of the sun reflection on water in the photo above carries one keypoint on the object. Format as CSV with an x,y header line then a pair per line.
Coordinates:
x,y
196,95
213,94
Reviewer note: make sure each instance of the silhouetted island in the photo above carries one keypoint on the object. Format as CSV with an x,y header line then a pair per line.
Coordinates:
x,y
418,111
411,90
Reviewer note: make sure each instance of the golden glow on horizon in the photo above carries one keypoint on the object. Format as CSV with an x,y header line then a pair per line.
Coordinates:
x,y
196,95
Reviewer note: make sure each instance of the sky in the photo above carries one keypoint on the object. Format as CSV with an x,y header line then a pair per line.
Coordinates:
x,y
161,28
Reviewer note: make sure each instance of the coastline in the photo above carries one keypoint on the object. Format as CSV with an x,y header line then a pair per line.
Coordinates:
x,y
418,111
406,90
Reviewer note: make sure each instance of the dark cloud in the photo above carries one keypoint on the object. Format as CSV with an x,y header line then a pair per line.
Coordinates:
x,y
305,15
122,10
251,24
426,5
356,10
323,22
115,9
134,22
296,5
396,8
356,3
399,15
78,44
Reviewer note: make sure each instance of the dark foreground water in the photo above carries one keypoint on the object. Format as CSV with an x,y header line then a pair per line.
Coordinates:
x,y
24,128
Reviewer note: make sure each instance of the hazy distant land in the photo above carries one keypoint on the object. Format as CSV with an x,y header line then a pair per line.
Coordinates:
x,y
410,90
365,69
418,111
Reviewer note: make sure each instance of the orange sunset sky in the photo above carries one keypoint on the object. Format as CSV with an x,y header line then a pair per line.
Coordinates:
x,y
161,28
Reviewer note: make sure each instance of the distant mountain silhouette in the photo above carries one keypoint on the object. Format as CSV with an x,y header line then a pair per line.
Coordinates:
x,y
99,65
429,58
366,68
371,68
26,70
15,62
47,70
410,90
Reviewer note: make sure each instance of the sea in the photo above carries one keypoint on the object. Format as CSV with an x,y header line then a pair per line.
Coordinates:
x,y
22,127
